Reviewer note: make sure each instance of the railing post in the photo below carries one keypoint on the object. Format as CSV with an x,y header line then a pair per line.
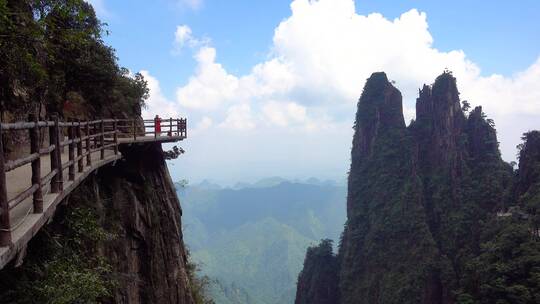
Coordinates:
x,y
155,127
88,146
102,139
134,131
36,164
58,140
71,152
185,127
170,126
78,135
96,139
5,233
115,136
53,141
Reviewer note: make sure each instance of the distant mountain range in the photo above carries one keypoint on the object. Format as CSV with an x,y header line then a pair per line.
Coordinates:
x,y
251,238
265,183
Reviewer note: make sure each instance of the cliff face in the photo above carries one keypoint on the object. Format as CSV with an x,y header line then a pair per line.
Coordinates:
x,y
385,213
423,200
140,259
148,255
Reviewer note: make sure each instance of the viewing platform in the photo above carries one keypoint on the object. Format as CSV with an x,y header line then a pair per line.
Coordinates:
x,y
32,186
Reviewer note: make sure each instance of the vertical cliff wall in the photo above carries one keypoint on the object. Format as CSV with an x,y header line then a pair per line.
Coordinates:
x,y
148,254
424,221
386,238
122,229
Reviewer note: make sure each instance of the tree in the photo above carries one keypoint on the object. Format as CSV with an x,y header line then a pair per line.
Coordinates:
x,y
54,58
465,106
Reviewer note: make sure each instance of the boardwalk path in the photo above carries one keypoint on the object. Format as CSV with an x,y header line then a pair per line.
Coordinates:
x,y
24,222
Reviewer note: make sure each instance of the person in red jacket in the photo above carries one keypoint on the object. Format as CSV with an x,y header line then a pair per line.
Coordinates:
x,y
157,125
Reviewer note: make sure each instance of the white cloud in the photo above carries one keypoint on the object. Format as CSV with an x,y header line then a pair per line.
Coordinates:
x,y
157,104
239,117
192,4
205,123
319,60
211,85
183,37
284,114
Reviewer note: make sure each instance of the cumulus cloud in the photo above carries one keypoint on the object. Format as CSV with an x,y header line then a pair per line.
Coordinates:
x,y
157,104
183,37
210,87
317,66
239,117
283,114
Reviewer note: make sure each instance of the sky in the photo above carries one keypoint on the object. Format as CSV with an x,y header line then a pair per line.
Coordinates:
x,y
270,87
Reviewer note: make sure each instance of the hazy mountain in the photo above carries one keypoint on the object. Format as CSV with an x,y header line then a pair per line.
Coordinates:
x,y
252,240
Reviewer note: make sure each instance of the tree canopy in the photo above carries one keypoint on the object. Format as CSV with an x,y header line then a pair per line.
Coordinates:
x,y
54,60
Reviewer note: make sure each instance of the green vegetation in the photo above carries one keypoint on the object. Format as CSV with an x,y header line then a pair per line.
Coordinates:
x,y
251,241
434,214
67,269
319,276
507,270
199,284
55,61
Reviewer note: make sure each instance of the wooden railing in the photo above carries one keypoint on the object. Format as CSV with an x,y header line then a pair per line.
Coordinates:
x,y
84,140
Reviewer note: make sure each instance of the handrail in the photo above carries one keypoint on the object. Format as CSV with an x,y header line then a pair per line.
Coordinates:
x,y
81,139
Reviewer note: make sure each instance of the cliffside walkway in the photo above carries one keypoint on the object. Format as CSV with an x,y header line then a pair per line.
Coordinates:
x,y
32,186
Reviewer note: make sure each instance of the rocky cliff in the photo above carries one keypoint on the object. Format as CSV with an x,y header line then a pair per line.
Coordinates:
x,y
118,235
423,200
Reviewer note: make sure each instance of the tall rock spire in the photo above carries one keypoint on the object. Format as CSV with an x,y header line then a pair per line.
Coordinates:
x,y
384,205
380,107
418,196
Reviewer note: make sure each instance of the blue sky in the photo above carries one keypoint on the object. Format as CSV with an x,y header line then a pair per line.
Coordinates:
x,y
276,53
501,36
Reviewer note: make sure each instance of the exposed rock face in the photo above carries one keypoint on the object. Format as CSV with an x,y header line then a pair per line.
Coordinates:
x,y
529,164
422,197
386,220
135,201
149,254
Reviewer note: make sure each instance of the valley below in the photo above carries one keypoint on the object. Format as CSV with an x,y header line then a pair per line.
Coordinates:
x,y
250,240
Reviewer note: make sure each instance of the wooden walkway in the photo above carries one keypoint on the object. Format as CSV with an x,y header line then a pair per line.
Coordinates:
x,y
33,186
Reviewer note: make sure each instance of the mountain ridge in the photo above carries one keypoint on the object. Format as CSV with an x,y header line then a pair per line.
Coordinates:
x,y
422,206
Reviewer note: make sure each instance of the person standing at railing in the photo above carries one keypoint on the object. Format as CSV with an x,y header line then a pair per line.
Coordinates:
x,y
157,125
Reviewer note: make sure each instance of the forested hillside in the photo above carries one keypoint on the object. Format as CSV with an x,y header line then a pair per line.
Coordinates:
x,y
251,240
434,215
